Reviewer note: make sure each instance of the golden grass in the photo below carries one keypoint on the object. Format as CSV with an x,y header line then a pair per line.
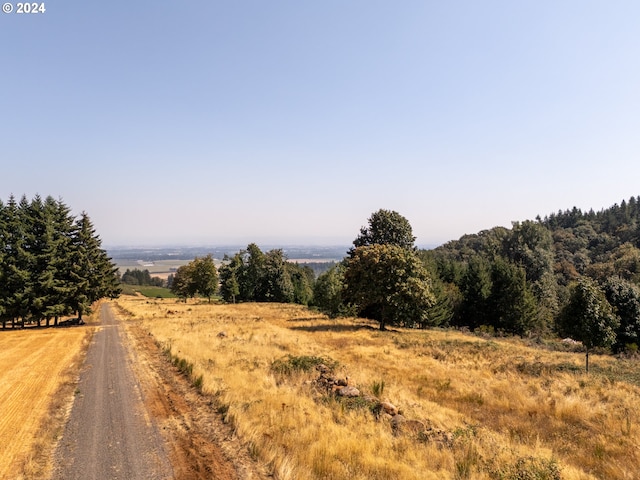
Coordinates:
x,y
504,409
39,369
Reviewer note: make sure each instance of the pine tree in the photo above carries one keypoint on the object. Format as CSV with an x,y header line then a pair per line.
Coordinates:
x,y
93,274
14,289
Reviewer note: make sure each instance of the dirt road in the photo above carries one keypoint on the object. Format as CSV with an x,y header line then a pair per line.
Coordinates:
x,y
109,433
136,417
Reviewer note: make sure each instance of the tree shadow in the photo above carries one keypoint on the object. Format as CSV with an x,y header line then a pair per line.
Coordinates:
x,y
332,327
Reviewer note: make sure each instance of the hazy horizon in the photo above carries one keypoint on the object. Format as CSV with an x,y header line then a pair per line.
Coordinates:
x,y
205,122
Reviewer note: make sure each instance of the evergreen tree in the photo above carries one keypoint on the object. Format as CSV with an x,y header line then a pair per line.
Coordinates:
x,y
511,304
93,274
476,289
624,297
14,290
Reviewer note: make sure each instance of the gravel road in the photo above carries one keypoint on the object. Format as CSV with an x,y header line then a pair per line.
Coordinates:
x,y
109,434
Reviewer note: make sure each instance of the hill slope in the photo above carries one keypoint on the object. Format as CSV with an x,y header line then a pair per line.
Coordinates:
x,y
473,407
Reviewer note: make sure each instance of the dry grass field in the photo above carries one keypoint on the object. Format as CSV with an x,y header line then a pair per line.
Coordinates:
x,y
39,370
475,408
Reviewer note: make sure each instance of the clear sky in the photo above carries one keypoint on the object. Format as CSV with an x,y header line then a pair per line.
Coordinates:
x,y
289,122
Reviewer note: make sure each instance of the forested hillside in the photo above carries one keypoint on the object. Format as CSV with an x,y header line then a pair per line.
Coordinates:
x,y
522,280
51,263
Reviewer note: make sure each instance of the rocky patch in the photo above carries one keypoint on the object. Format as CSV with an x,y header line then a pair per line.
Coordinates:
x,y
328,384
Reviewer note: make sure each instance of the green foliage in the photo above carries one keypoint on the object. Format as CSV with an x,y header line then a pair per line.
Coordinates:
x,y
476,289
302,280
554,252
377,388
327,292
511,302
624,296
230,271
296,364
254,276
204,276
386,227
389,284
529,468
588,318
140,277
52,263
153,292
275,283
183,285
198,277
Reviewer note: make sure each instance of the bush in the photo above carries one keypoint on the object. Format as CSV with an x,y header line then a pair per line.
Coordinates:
x,y
290,364
530,468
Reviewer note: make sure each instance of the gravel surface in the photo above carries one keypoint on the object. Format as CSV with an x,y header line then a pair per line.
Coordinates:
x,y
109,434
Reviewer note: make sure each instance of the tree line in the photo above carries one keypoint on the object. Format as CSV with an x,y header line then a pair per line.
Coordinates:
x,y
51,263
141,277
248,276
572,274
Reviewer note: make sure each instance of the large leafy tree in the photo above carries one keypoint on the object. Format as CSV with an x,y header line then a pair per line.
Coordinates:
x,y
589,318
183,285
204,276
386,227
388,283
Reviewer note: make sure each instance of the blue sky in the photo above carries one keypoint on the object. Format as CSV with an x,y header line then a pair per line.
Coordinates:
x,y
209,122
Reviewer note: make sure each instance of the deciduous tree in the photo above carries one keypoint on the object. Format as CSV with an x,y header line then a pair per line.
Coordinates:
x,y
386,227
388,283
589,318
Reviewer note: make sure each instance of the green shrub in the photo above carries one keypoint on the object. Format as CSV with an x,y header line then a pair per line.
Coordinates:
x,y
290,364
530,468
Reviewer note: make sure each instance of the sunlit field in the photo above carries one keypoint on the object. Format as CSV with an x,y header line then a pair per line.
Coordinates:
x,y
473,408
39,371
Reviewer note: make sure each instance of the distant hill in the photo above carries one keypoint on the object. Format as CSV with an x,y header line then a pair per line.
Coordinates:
x,y
596,244
519,279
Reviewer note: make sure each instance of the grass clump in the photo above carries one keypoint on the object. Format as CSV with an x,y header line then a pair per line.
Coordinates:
x,y
297,364
377,388
491,409
530,468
